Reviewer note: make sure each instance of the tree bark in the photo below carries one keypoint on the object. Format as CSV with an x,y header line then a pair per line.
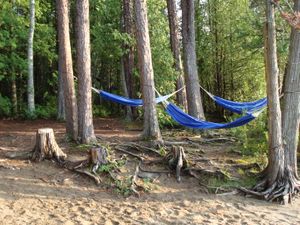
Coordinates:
x,y
30,79
65,61
128,116
175,47
127,60
279,181
276,156
195,107
61,111
291,102
151,128
46,146
83,52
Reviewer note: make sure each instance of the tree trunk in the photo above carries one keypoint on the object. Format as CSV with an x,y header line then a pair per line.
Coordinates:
x,y
175,47
276,156
46,146
151,128
65,61
291,105
195,107
30,80
127,60
14,97
83,51
279,182
61,111
128,116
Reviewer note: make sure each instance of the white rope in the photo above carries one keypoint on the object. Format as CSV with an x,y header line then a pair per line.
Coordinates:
x,y
207,92
257,113
96,90
165,102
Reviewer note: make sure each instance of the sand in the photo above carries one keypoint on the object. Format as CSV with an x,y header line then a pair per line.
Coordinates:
x,y
42,193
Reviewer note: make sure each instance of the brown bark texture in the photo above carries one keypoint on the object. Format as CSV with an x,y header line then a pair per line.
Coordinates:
x,y
65,61
195,107
127,61
46,146
175,47
83,56
276,159
279,180
151,128
291,102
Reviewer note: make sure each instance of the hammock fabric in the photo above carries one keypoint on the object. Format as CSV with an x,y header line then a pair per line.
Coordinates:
x,y
186,120
237,107
240,107
127,101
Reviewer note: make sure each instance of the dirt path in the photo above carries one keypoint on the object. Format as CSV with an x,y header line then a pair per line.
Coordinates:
x,y
42,193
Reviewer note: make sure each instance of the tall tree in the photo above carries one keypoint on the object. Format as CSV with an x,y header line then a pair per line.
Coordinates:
x,y
30,79
195,107
83,52
175,47
65,64
280,178
151,128
61,111
276,157
291,106
127,61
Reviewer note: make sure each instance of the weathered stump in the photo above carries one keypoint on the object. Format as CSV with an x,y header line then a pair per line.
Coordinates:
x,y
177,160
46,146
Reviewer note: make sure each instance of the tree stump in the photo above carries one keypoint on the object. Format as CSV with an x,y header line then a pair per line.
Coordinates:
x,y
177,160
46,146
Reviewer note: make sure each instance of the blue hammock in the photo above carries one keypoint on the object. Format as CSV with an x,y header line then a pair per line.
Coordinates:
x,y
237,107
186,120
127,101
240,107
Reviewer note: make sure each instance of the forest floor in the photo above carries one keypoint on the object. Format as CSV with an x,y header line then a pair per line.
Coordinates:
x,y
44,193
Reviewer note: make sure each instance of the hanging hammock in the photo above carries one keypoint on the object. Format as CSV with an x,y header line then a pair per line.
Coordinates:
x,y
128,101
188,121
237,107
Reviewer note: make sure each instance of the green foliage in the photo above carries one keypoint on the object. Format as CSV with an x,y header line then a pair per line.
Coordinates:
x,y
253,138
5,106
164,120
215,184
101,111
164,74
112,165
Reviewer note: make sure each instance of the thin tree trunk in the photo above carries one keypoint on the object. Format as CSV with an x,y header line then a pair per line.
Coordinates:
x,y
129,116
291,106
195,107
130,55
151,128
14,96
127,60
175,47
30,79
61,111
83,51
65,61
276,156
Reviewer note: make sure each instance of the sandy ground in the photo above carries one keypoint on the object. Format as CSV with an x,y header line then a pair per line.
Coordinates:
x,y
42,193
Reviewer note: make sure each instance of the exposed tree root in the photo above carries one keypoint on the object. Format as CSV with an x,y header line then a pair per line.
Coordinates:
x,y
129,153
282,190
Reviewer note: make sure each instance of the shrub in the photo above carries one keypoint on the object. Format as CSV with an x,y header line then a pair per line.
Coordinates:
x,y
5,106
